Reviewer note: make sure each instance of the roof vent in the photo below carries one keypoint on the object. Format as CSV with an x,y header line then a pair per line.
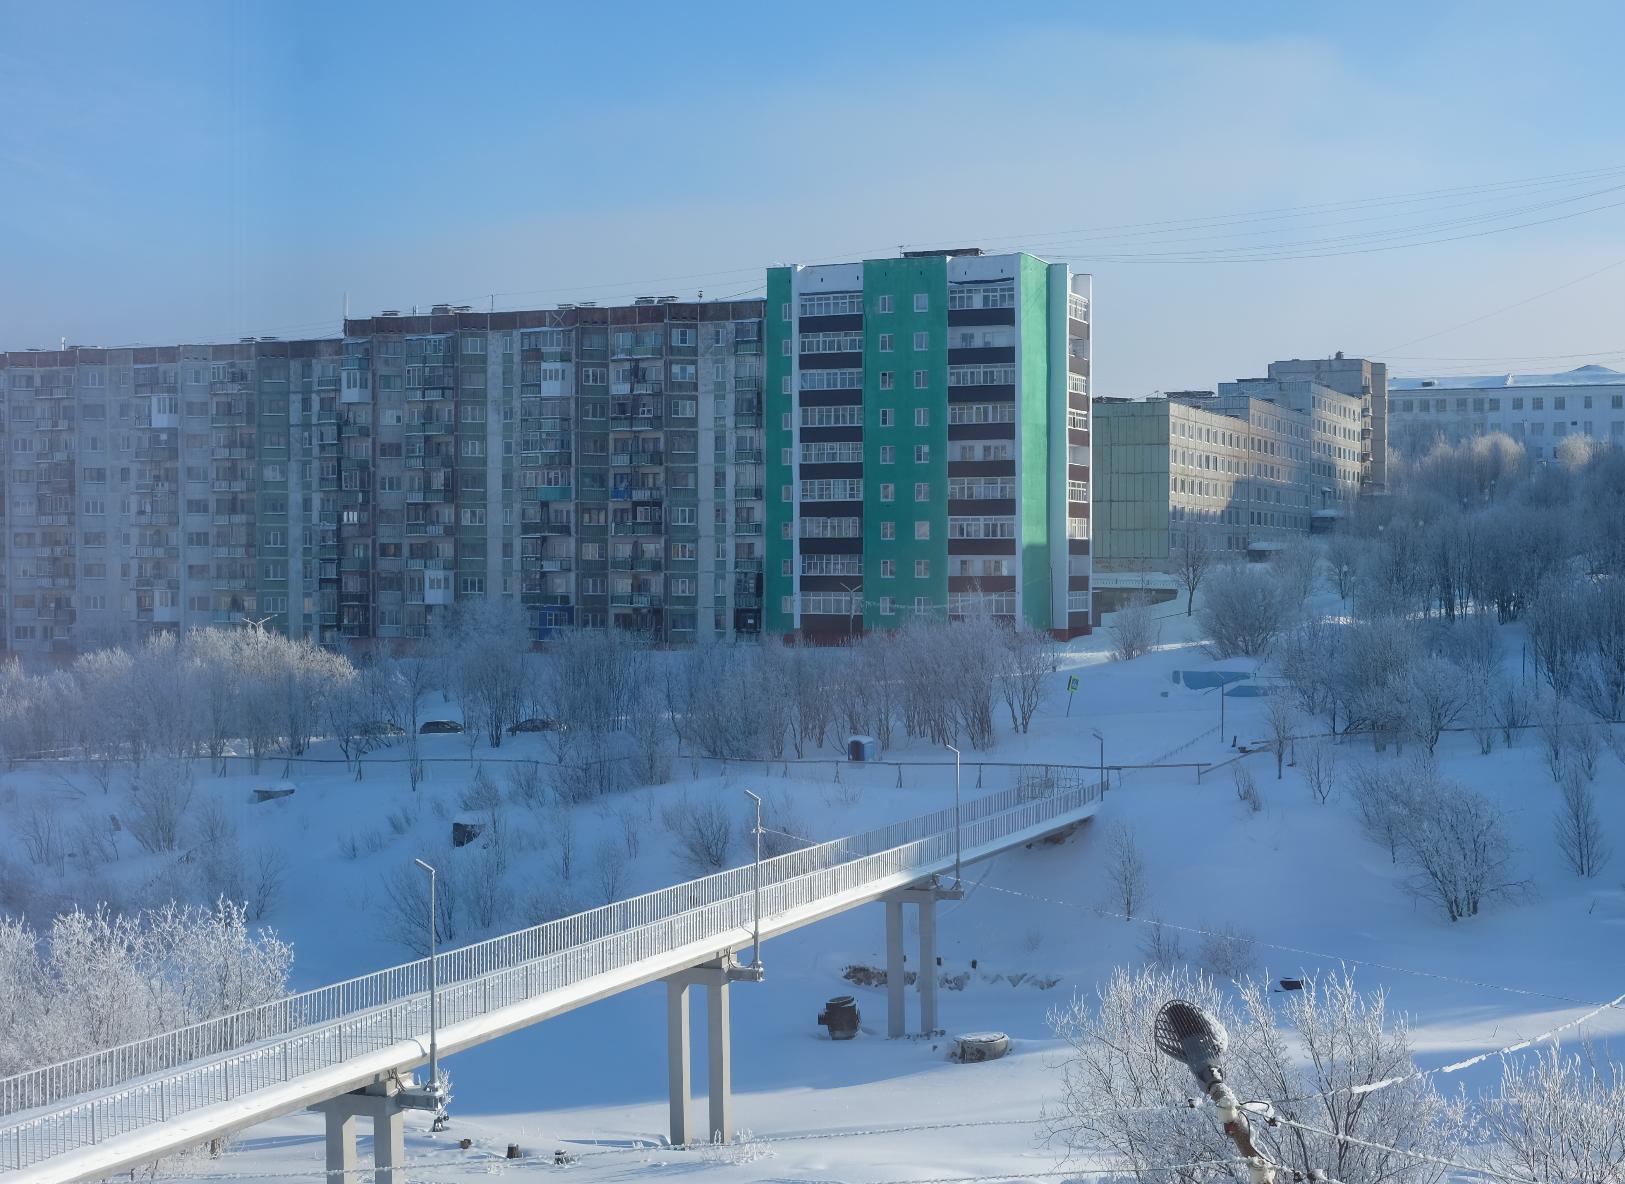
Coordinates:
x,y
643,301
390,312
462,308
439,310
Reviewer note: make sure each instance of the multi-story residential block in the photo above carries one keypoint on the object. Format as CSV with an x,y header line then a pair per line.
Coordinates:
x,y
1358,377
928,442
1336,427
603,465
1541,410
1247,473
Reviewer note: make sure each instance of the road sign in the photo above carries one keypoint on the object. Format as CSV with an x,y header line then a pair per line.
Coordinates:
x,y
1071,689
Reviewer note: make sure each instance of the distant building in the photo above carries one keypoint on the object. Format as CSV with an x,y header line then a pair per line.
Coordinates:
x,y
1247,472
1357,377
927,442
1539,410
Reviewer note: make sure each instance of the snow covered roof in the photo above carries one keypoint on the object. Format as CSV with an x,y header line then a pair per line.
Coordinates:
x,y
1579,376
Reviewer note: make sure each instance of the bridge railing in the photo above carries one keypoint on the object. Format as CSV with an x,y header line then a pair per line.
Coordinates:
x,y
176,1072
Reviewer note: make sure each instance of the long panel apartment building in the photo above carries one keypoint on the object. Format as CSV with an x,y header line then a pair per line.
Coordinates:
x,y
603,465
928,443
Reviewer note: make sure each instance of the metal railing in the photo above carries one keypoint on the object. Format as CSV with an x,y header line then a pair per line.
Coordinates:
x,y
217,1060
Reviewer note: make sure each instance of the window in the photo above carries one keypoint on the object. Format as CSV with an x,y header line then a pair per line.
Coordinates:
x,y
886,343
838,452
885,417
888,380
981,528
922,491
842,415
888,454
919,380
922,569
888,531
888,492
981,413
1001,375
922,417
888,569
844,489
981,488
995,295
845,342
888,606
471,585
473,447
827,603
831,380
922,341
882,303
922,530
922,302
831,304
682,336
831,528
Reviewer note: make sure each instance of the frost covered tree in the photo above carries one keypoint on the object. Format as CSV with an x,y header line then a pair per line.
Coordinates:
x,y
1557,1117
1125,871
1579,829
1309,1053
1459,847
1245,610
1029,659
1193,557
1435,695
1133,629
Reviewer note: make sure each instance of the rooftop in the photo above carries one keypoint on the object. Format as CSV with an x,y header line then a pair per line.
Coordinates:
x,y
1579,376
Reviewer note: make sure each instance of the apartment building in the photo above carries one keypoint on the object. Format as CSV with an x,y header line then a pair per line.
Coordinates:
x,y
1242,470
1360,378
928,443
1336,433
1540,410
604,465
159,488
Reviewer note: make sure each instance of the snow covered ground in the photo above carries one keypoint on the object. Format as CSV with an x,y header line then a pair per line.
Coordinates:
x,y
1298,876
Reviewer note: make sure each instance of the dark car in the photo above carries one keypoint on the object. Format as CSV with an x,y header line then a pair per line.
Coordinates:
x,y
438,727
533,725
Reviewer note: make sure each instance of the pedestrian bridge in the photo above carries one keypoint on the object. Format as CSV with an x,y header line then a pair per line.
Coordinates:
x,y
346,1047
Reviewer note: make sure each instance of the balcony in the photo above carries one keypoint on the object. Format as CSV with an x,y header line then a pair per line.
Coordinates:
x,y
748,493
648,495
554,493
637,528
747,456
747,529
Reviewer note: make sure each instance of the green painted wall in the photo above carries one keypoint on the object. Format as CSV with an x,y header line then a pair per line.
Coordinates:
x,y
775,584
1032,416
902,279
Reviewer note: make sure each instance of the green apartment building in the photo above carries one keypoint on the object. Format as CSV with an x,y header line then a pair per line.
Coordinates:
x,y
927,443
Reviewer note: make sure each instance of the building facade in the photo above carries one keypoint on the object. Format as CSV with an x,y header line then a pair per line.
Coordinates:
x,y
1243,471
928,443
1539,410
604,465
1360,378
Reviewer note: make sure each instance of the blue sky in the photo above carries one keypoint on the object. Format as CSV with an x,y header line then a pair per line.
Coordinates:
x,y
203,171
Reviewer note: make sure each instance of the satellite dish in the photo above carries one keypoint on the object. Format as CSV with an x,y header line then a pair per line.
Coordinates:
x,y
1192,1037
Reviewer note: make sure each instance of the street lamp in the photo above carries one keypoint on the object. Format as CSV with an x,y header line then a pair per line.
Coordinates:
x,y
434,994
955,751
1197,1040
756,951
1095,732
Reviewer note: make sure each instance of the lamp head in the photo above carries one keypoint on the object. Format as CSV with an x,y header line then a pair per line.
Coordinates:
x,y
1192,1037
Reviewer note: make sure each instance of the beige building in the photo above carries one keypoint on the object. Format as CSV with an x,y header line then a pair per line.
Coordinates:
x,y
1241,470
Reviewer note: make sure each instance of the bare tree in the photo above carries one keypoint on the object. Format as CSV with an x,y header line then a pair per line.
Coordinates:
x,y
1319,767
1030,657
1245,610
1457,842
1125,871
609,866
1436,694
1557,1117
1579,830
160,796
703,831
1282,724
1247,789
1133,629
1193,558
1511,709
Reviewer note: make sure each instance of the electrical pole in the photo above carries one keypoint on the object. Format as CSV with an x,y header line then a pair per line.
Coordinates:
x,y
1095,732
434,995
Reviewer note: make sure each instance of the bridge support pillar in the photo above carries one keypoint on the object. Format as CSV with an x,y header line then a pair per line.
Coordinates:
x,y
924,898
715,978
379,1103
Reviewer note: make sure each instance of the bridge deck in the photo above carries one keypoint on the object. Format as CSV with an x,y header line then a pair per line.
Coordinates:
x,y
151,1098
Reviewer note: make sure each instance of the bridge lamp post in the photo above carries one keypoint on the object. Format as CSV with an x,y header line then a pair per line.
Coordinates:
x,y
1095,732
756,950
434,988
955,751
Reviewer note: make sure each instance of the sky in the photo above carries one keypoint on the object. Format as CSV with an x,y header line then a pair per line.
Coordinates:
x,y
204,171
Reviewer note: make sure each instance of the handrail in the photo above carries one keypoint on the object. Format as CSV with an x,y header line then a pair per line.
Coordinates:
x,y
174,1072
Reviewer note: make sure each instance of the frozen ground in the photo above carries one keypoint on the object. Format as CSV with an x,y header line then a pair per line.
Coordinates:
x,y
1298,876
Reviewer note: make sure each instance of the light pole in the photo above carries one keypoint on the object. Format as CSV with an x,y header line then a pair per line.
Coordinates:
x,y
955,751
434,989
1197,1040
756,950
1222,686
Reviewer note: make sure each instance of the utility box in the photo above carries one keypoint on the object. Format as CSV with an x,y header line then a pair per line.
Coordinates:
x,y
862,748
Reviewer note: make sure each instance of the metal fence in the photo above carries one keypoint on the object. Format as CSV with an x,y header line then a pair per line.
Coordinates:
x,y
171,1074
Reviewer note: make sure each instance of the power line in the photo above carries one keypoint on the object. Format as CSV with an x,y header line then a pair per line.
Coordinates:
x,y
1419,1156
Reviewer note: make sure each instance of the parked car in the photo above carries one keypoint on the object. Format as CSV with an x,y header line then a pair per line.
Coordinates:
x,y
537,724
439,727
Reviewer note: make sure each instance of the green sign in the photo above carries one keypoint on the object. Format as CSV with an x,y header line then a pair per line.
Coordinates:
x,y
1072,684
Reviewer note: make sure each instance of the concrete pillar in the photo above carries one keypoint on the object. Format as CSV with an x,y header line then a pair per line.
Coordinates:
x,y
719,1081
677,1060
389,1147
894,968
341,1159
927,980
